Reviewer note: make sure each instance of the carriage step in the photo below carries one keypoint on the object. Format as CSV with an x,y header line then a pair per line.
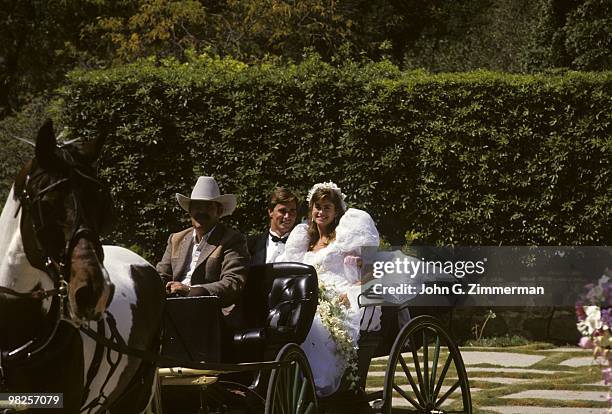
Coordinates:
x,y
377,405
185,376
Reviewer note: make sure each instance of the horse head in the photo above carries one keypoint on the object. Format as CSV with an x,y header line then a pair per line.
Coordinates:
x,y
65,209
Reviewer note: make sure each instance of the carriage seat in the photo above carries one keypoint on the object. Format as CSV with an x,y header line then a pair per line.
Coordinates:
x,y
279,304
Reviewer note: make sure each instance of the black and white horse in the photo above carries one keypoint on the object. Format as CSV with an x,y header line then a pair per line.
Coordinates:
x,y
56,277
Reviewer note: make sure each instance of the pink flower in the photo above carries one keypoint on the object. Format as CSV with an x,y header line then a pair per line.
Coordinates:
x,y
586,343
607,375
580,311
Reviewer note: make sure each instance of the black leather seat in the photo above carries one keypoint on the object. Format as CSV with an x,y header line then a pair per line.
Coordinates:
x,y
278,306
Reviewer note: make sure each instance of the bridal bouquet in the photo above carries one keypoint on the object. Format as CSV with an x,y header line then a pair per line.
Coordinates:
x,y
594,311
334,318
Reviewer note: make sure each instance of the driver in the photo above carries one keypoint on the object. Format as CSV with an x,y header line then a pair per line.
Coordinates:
x,y
208,258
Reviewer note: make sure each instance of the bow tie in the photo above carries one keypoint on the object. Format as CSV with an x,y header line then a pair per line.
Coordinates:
x,y
277,239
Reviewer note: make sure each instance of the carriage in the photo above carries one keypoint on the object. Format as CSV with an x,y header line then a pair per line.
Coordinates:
x,y
70,305
253,362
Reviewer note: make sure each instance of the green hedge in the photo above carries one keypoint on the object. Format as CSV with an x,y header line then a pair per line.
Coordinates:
x,y
475,158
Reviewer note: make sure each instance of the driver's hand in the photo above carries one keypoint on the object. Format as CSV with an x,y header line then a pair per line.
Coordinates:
x,y
177,289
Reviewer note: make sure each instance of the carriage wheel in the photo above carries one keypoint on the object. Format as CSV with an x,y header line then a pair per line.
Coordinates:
x,y
291,388
413,384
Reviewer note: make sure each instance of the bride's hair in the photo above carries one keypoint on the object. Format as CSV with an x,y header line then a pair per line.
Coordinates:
x,y
313,231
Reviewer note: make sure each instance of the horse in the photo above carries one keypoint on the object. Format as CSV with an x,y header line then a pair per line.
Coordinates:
x,y
62,293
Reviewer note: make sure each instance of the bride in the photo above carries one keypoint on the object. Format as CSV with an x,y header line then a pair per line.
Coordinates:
x,y
333,241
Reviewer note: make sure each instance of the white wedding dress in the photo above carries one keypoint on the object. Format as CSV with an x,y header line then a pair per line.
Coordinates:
x,y
355,231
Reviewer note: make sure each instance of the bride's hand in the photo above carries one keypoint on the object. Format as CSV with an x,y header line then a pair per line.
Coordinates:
x,y
353,260
344,300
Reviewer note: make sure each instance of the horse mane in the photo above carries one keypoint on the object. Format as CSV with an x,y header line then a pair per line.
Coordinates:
x,y
21,178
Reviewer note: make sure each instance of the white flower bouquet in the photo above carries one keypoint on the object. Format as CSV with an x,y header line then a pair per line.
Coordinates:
x,y
335,319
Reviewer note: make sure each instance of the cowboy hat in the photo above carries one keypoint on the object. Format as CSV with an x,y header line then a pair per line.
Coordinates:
x,y
206,189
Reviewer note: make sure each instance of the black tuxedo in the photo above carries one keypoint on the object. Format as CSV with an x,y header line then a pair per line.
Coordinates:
x,y
257,248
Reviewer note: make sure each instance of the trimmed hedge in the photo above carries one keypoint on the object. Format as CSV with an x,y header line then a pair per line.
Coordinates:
x,y
476,158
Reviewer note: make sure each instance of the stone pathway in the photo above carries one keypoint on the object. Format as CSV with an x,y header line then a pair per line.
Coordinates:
x,y
521,382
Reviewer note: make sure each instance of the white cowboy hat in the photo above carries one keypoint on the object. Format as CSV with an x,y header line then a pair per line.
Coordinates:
x,y
206,189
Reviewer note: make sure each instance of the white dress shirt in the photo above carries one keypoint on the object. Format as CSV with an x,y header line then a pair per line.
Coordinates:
x,y
274,249
195,255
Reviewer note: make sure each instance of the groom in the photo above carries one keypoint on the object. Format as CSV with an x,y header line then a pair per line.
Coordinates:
x,y
270,245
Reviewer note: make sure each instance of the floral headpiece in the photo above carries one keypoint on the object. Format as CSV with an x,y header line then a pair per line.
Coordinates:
x,y
327,186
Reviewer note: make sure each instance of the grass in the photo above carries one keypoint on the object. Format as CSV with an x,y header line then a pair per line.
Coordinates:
x,y
499,341
507,341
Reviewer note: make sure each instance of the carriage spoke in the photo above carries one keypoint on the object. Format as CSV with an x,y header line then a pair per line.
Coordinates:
x,y
296,384
407,397
286,391
278,398
410,379
296,388
447,393
415,358
449,359
289,390
280,394
300,401
309,409
434,365
425,384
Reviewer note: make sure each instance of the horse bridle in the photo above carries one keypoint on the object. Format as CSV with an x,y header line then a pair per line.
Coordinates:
x,y
58,269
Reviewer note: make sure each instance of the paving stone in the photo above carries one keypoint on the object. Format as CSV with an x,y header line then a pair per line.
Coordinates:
x,y
566,349
502,380
520,370
544,410
400,402
505,359
563,395
579,362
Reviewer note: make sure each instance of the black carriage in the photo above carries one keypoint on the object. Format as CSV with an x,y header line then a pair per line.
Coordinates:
x,y
253,362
